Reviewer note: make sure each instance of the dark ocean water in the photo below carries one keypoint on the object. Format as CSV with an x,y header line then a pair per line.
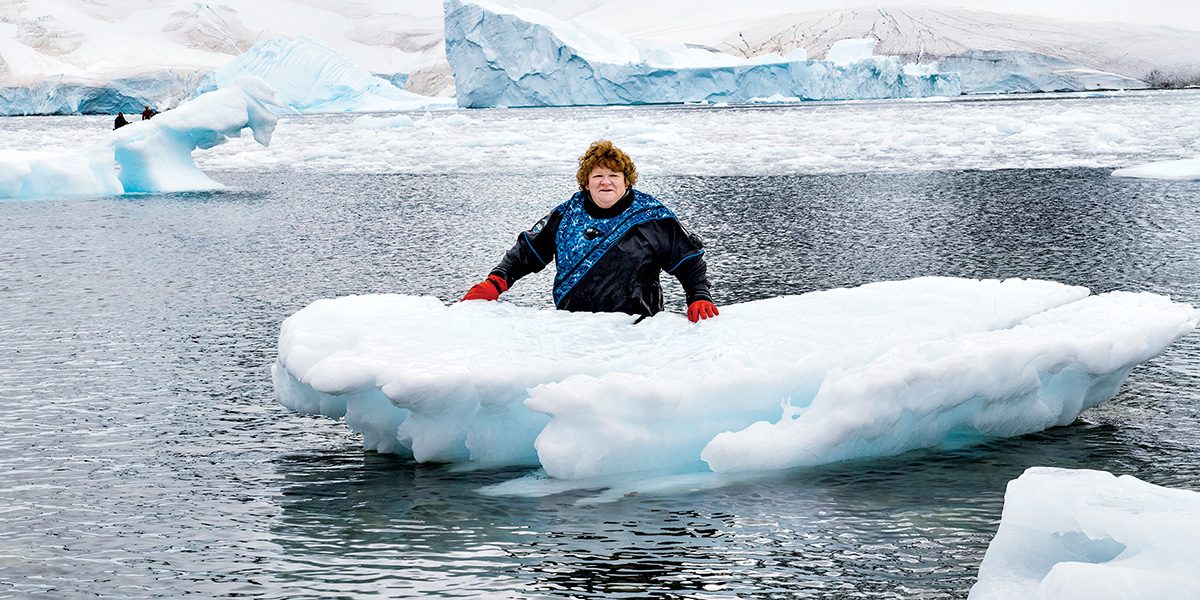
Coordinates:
x,y
142,453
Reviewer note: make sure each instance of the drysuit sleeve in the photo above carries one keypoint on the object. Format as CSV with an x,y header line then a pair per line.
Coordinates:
x,y
684,258
532,252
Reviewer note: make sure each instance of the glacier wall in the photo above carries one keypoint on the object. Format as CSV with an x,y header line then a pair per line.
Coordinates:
x,y
1010,71
507,57
70,96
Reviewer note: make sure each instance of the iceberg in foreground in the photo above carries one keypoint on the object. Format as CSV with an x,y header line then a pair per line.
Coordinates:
x,y
1187,169
518,57
146,156
1083,534
310,78
771,384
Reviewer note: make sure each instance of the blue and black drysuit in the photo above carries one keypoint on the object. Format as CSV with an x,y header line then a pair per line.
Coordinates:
x,y
609,259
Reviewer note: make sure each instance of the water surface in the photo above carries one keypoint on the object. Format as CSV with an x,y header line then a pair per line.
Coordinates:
x,y
143,454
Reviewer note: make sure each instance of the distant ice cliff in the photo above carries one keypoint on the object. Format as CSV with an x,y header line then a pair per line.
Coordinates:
x,y
62,95
517,57
1010,71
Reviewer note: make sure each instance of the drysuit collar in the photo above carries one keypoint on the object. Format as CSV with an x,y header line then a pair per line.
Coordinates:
x,y
594,210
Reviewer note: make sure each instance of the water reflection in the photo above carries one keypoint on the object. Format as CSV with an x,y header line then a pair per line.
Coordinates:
x,y
852,530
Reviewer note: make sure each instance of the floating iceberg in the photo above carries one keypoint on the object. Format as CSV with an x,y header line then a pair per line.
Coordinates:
x,y
1069,534
518,57
146,156
311,78
771,384
1187,169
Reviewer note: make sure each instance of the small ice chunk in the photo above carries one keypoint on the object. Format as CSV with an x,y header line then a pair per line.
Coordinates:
x,y
1187,169
1090,535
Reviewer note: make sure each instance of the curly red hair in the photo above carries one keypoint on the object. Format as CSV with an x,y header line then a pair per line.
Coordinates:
x,y
602,153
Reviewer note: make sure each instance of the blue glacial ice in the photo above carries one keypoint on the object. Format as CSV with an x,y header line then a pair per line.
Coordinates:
x,y
518,57
310,78
71,96
146,156
1011,71
1090,535
772,384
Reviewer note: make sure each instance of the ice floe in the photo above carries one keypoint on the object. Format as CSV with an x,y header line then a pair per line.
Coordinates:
x,y
771,384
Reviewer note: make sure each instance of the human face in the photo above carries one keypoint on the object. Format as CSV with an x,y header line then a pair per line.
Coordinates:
x,y
606,186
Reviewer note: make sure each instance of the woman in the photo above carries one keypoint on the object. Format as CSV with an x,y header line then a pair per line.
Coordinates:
x,y
609,243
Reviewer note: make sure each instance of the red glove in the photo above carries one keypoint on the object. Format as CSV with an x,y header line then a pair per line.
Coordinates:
x,y
488,289
702,309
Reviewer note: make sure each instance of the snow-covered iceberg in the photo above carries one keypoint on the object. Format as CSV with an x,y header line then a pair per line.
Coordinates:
x,y
504,56
1080,534
146,156
310,78
771,384
1011,71
1186,169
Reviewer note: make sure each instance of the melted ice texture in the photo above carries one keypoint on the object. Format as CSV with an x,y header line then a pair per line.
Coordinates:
x,y
771,384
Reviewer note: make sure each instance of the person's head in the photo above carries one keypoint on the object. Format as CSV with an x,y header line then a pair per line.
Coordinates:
x,y
605,173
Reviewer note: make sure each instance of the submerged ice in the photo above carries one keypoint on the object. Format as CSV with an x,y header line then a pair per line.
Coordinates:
x,y
146,156
1091,535
771,384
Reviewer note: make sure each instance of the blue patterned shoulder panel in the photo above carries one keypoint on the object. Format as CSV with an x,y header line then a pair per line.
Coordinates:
x,y
577,253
